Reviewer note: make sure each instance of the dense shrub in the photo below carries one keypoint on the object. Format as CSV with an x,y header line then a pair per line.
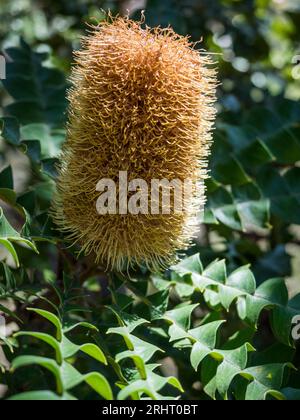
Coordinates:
x,y
220,324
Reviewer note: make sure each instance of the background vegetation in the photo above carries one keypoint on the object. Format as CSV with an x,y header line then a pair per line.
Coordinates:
x,y
217,325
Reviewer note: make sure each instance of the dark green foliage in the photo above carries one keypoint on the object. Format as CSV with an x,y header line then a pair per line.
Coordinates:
x,y
219,324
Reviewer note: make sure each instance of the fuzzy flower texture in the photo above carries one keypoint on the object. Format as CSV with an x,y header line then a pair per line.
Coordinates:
x,y
141,101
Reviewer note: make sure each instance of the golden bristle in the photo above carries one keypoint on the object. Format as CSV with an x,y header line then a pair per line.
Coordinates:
x,y
142,101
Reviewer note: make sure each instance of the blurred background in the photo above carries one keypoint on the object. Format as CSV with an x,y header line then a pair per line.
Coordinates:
x,y
257,40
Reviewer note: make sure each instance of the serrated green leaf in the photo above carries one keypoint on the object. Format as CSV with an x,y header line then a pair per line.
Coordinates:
x,y
180,319
204,341
240,286
267,380
69,349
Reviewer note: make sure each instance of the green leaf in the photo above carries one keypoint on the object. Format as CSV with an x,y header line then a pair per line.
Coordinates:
x,y
47,339
180,319
50,139
128,320
49,364
136,358
254,211
233,364
137,346
71,378
42,396
71,325
255,155
39,92
8,312
227,171
267,380
222,205
204,340
273,294
33,150
283,191
49,167
244,208
69,349
150,386
10,130
240,286
100,384
66,375
277,130
8,236
52,318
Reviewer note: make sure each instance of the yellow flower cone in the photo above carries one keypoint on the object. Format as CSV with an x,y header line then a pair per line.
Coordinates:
x,y
141,101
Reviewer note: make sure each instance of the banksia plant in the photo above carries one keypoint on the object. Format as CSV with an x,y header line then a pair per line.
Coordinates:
x,y
141,101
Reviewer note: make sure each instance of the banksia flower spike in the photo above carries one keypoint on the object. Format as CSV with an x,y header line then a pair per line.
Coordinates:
x,y
141,102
